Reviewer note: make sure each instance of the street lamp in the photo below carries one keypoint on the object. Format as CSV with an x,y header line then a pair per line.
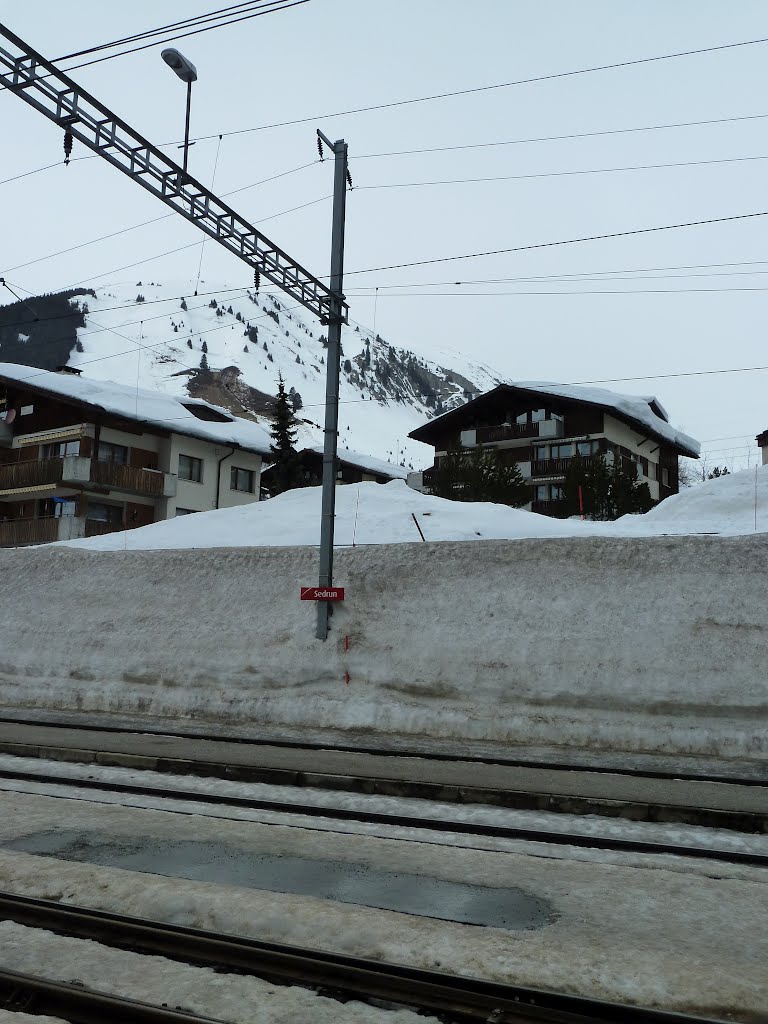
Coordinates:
x,y
187,72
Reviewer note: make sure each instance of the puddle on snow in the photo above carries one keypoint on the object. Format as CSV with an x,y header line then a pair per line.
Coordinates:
x,y
508,907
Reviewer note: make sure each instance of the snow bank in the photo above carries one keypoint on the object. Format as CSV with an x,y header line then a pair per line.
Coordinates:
x,y
643,644
384,514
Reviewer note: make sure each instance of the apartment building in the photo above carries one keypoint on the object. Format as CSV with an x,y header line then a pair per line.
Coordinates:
x,y
541,427
82,457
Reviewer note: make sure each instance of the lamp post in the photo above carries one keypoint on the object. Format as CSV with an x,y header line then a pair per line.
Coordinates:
x,y
187,72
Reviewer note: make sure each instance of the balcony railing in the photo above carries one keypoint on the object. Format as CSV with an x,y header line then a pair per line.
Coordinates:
x,y
550,467
82,471
548,508
94,528
506,432
16,475
128,478
18,532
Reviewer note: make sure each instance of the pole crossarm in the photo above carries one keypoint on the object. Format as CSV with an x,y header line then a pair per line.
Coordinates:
x,y
40,84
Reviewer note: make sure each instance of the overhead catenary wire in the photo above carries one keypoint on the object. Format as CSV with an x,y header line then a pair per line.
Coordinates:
x,y
565,241
183,23
166,216
275,7
532,80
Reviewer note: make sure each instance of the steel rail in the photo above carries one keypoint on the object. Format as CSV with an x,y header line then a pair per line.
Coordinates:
x,y
522,798
426,755
457,997
480,829
29,994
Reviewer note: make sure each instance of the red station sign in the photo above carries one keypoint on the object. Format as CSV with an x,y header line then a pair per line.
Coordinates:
x,y
322,593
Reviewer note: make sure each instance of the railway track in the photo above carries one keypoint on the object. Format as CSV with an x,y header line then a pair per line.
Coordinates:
x,y
421,754
453,998
337,814
740,805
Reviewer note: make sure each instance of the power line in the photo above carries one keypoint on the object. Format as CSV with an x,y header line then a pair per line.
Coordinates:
x,y
579,276
283,5
501,85
559,138
561,174
167,216
148,33
566,241
582,291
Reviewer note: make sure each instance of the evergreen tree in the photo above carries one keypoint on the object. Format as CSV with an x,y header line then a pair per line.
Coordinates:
x,y
478,474
204,347
184,304
283,451
716,472
189,343
607,490
245,348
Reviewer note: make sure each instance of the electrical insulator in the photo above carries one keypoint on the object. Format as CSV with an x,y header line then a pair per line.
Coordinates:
x,y
256,279
319,147
349,178
67,145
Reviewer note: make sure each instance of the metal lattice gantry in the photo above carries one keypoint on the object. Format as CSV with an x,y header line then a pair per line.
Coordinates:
x,y
40,84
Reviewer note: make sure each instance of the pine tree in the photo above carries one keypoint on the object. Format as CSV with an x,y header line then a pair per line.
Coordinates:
x,y
189,343
607,490
478,474
245,348
204,347
184,305
285,467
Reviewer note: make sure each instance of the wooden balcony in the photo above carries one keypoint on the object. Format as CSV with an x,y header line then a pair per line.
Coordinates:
x,y
506,432
39,473
549,467
128,478
85,472
548,508
18,533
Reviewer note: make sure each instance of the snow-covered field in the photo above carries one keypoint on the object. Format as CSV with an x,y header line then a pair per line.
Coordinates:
x,y
371,513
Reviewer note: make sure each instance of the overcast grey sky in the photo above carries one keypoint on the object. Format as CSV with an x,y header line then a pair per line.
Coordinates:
x,y
333,55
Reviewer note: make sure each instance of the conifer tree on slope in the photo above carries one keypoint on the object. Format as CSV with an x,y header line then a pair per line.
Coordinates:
x,y
282,449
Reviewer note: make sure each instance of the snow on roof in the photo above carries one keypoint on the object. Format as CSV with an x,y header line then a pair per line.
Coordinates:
x,y
365,462
151,407
636,408
633,407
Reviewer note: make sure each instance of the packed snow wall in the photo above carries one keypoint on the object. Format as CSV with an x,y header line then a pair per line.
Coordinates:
x,y
657,644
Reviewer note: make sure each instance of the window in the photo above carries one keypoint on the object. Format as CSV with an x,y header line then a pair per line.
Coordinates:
x,y
103,513
185,511
108,452
64,507
665,477
562,451
542,451
58,449
242,480
542,492
190,468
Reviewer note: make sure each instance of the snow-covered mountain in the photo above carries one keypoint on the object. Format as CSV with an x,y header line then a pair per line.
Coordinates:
x,y
229,346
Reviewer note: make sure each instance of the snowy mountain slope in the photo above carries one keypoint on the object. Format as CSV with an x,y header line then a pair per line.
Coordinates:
x,y
228,346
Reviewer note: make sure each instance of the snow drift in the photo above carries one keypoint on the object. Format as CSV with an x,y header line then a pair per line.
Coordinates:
x,y
387,514
642,644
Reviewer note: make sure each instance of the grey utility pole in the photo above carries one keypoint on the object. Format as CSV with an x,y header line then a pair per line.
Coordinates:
x,y
336,317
